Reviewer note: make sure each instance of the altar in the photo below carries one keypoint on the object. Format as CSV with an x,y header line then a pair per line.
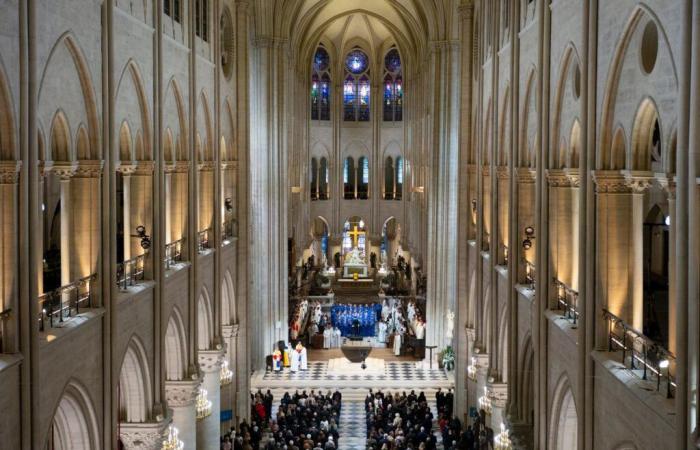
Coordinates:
x,y
349,271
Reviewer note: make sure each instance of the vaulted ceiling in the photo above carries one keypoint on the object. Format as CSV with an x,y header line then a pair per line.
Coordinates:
x,y
410,24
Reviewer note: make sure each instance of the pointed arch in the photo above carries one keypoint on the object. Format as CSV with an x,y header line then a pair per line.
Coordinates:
x,y
572,158
69,42
563,428
205,153
125,143
641,152
526,152
60,140
175,348
504,132
134,384
8,146
174,104
133,72
527,381
168,147
74,425
205,326
228,300
569,63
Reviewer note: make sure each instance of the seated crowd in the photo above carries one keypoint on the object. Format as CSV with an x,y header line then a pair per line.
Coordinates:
x,y
399,421
306,421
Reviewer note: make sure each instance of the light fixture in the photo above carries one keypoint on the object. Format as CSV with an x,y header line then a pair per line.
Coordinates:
x,y
145,238
663,363
502,440
225,375
529,236
667,221
172,442
228,204
202,404
362,223
485,402
471,370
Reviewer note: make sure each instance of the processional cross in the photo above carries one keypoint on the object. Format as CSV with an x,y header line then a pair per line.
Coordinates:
x,y
355,235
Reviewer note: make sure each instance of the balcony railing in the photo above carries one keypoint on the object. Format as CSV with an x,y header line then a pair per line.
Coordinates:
x,y
131,271
4,316
203,240
65,301
567,300
641,353
530,273
173,252
228,230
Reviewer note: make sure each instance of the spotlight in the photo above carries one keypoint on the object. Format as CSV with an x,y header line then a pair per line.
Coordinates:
x,y
145,238
527,244
663,363
529,236
228,204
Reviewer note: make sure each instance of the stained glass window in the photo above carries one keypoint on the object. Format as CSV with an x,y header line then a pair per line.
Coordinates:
x,y
393,87
356,87
321,85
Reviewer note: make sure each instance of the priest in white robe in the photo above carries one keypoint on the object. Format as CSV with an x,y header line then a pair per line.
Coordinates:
x,y
295,358
397,343
303,361
327,336
338,338
381,332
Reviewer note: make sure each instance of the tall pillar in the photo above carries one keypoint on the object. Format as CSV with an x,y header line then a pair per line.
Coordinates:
x,y
168,206
180,396
126,170
64,183
208,430
86,222
229,333
443,191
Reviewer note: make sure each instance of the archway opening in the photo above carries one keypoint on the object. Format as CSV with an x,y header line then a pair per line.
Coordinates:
x,y
566,436
656,275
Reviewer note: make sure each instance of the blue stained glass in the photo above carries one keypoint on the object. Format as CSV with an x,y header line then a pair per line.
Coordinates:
x,y
321,60
345,171
356,61
365,170
392,61
399,171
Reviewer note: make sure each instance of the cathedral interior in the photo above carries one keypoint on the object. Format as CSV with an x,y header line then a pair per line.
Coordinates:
x,y
213,212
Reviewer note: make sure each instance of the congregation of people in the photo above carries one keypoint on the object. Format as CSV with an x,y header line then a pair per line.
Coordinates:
x,y
355,320
306,421
399,421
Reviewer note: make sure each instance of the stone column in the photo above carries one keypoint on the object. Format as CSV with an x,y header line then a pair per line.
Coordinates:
x,y
126,170
668,184
180,396
442,192
229,398
168,204
65,173
498,394
143,436
619,210
525,178
85,219
9,271
208,429
141,209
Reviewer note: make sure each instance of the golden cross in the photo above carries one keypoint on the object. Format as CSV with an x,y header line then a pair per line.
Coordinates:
x,y
355,234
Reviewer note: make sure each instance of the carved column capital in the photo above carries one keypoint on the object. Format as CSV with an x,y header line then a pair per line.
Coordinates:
x,y
610,182
89,169
471,334
9,172
525,175
502,173
126,167
638,181
230,331
63,169
143,436
482,363
210,360
144,167
181,393
557,178
205,166
498,393
667,182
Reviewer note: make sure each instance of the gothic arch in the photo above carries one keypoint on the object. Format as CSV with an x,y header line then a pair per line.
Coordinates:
x,y
641,15
74,425
205,153
125,143
60,139
504,132
228,300
527,156
8,147
205,323
572,158
229,130
527,381
69,43
640,154
618,151
563,429
134,384
487,144
131,73
174,114
175,347
569,61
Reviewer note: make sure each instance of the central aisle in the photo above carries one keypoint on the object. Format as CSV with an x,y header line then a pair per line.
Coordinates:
x,y
352,427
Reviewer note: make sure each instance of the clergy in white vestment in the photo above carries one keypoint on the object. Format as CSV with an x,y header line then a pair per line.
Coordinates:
x,y
419,329
327,333
386,310
295,358
303,361
338,337
411,311
397,344
381,333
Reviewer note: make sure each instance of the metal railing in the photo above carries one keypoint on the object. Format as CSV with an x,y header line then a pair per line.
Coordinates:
x,y
567,300
203,240
530,273
4,315
228,230
131,271
640,353
173,252
65,301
